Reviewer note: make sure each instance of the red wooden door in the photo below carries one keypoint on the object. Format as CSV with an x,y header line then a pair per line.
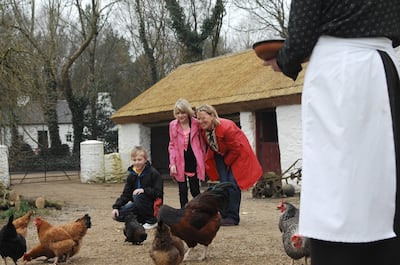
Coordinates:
x,y
269,157
267,141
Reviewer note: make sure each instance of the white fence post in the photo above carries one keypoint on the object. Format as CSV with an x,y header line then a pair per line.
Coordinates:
x,y
92,161
4,171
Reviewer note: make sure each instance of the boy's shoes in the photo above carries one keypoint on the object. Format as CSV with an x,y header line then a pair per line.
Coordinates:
x,y
149,226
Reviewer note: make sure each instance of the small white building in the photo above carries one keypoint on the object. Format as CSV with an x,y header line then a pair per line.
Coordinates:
x,y
33,127
265,104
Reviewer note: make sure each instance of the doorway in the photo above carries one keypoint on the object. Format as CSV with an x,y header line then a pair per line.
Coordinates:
x,y
268,152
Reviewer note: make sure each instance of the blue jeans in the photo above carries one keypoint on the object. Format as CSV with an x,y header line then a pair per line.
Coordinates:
x,y
235,195
141,206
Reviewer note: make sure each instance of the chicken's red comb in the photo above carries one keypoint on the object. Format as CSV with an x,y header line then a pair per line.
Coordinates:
x,y
281,205
297,240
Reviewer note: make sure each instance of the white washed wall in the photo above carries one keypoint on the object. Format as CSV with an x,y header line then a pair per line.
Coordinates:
x,y
130,135
64,129
248,124
30,134
289,134
4,173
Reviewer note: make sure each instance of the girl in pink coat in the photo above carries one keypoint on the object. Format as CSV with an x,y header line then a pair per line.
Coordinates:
x,y
186,151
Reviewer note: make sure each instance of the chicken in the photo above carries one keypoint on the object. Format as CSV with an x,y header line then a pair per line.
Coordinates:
x,y
166,248
289,215
133,230
12,244
199,221
21,224
38,251
295,245
56,239
77,230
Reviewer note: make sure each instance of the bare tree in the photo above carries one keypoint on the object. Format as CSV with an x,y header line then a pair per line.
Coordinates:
x,y
153,45
269,17
45,46
78,103
57,53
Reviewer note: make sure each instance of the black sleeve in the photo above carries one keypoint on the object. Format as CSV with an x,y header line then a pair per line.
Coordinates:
x,y
304,31
156,188
126,194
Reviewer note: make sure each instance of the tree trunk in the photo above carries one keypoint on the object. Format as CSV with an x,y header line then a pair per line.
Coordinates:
x,y
77,107
147,50
50,110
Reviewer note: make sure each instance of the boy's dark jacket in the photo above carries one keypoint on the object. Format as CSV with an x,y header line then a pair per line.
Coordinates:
x,y
150,180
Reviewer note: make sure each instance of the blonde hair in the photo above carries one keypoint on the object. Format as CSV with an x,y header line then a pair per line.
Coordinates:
x,y
210,110
183,106
139,150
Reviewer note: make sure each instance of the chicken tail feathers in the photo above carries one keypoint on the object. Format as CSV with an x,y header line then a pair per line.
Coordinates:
x,y
170,215
88,222
10,220
221,191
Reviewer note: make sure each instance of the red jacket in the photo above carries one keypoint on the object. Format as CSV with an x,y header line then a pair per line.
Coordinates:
x,y
238,155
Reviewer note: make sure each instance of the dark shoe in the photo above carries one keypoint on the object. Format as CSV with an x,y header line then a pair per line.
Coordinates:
x,y
228,222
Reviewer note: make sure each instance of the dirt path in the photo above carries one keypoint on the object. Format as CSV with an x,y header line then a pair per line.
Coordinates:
x,y
256,240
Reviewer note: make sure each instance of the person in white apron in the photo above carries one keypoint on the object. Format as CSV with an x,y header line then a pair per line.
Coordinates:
x,y
350,194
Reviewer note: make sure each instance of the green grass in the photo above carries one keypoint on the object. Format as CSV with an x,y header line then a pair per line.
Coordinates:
x,y
23,209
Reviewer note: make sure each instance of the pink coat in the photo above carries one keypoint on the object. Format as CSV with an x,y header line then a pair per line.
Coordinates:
x,y
176,148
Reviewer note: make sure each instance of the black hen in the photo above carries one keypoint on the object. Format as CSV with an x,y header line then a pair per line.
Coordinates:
x,y
200,220
166,248
133,230
12,244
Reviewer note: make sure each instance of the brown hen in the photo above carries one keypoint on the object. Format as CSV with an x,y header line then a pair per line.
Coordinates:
x,y
21,223
77,230
200,220
55,238
166,248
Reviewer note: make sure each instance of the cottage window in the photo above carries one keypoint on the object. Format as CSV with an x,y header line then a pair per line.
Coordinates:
x,y
68,137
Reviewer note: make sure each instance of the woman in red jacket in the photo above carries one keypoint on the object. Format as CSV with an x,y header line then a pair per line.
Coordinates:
x,y
228,158
186,151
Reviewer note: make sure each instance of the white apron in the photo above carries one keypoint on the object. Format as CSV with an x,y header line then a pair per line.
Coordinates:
x,y
348,167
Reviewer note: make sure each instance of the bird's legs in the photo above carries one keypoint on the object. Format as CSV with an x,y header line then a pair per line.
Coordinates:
x,y
204,256
187,254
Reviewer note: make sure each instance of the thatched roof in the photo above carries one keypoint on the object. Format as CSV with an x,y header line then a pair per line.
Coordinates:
x,y
231,83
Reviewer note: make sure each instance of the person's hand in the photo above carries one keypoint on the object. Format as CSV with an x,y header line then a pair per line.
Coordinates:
x,y
274,65
138,191
172,170
114,213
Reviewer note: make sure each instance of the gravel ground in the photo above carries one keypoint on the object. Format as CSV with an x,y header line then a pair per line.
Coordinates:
x,y
256,240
